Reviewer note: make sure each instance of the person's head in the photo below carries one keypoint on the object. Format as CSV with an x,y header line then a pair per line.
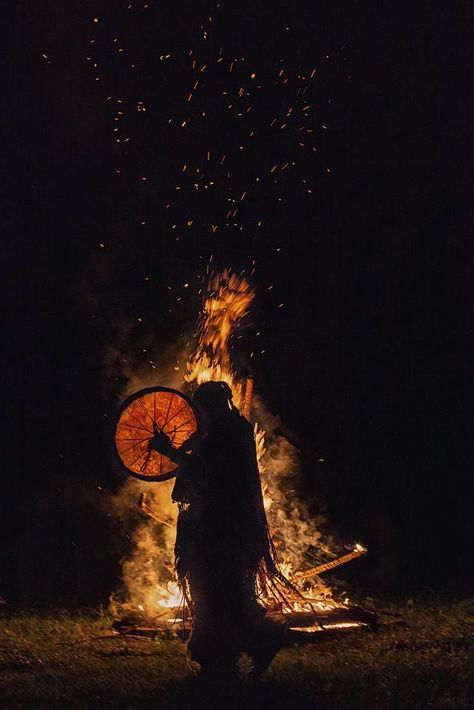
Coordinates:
x,y
213,399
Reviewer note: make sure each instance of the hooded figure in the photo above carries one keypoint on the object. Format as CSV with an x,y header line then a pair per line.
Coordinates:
x,y
224,555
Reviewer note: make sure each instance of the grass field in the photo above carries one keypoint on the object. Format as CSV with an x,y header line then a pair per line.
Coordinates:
x,y
57,661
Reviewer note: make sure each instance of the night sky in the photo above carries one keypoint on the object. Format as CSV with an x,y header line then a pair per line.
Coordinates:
x,y
320,147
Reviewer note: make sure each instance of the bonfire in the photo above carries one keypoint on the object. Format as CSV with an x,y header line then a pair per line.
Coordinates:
x,y
151,599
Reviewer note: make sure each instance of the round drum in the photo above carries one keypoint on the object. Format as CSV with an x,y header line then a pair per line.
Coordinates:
x,y
163,408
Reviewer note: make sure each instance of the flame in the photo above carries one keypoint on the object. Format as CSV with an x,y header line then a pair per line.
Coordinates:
x,y
171,596
228,301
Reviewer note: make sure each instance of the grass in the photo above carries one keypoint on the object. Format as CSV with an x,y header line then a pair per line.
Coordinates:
x,y
57,661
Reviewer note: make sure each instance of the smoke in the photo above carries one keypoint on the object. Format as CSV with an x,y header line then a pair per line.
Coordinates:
x,y
147,570
148,566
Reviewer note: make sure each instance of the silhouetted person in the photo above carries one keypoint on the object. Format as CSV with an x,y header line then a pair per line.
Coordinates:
x,y
223,550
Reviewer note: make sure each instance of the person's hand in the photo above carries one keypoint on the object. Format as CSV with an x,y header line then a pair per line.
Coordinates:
x,y
160,441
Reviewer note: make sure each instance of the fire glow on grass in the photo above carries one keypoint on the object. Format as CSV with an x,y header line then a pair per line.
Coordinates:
x,y
150,588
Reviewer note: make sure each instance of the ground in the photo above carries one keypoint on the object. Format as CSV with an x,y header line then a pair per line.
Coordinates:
x,y
70,660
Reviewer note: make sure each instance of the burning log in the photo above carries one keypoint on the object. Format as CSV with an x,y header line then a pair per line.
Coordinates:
x,y
340,617
317,635
357,552
247,397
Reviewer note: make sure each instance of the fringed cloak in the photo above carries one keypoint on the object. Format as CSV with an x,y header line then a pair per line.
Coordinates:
x,y
222,529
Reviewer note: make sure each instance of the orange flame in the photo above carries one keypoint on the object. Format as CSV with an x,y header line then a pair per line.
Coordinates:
x,y
228,300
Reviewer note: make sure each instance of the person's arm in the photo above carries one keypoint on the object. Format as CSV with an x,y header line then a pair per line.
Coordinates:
x,y
162,443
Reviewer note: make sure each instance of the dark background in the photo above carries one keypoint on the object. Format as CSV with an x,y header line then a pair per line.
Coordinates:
x,y
367,361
